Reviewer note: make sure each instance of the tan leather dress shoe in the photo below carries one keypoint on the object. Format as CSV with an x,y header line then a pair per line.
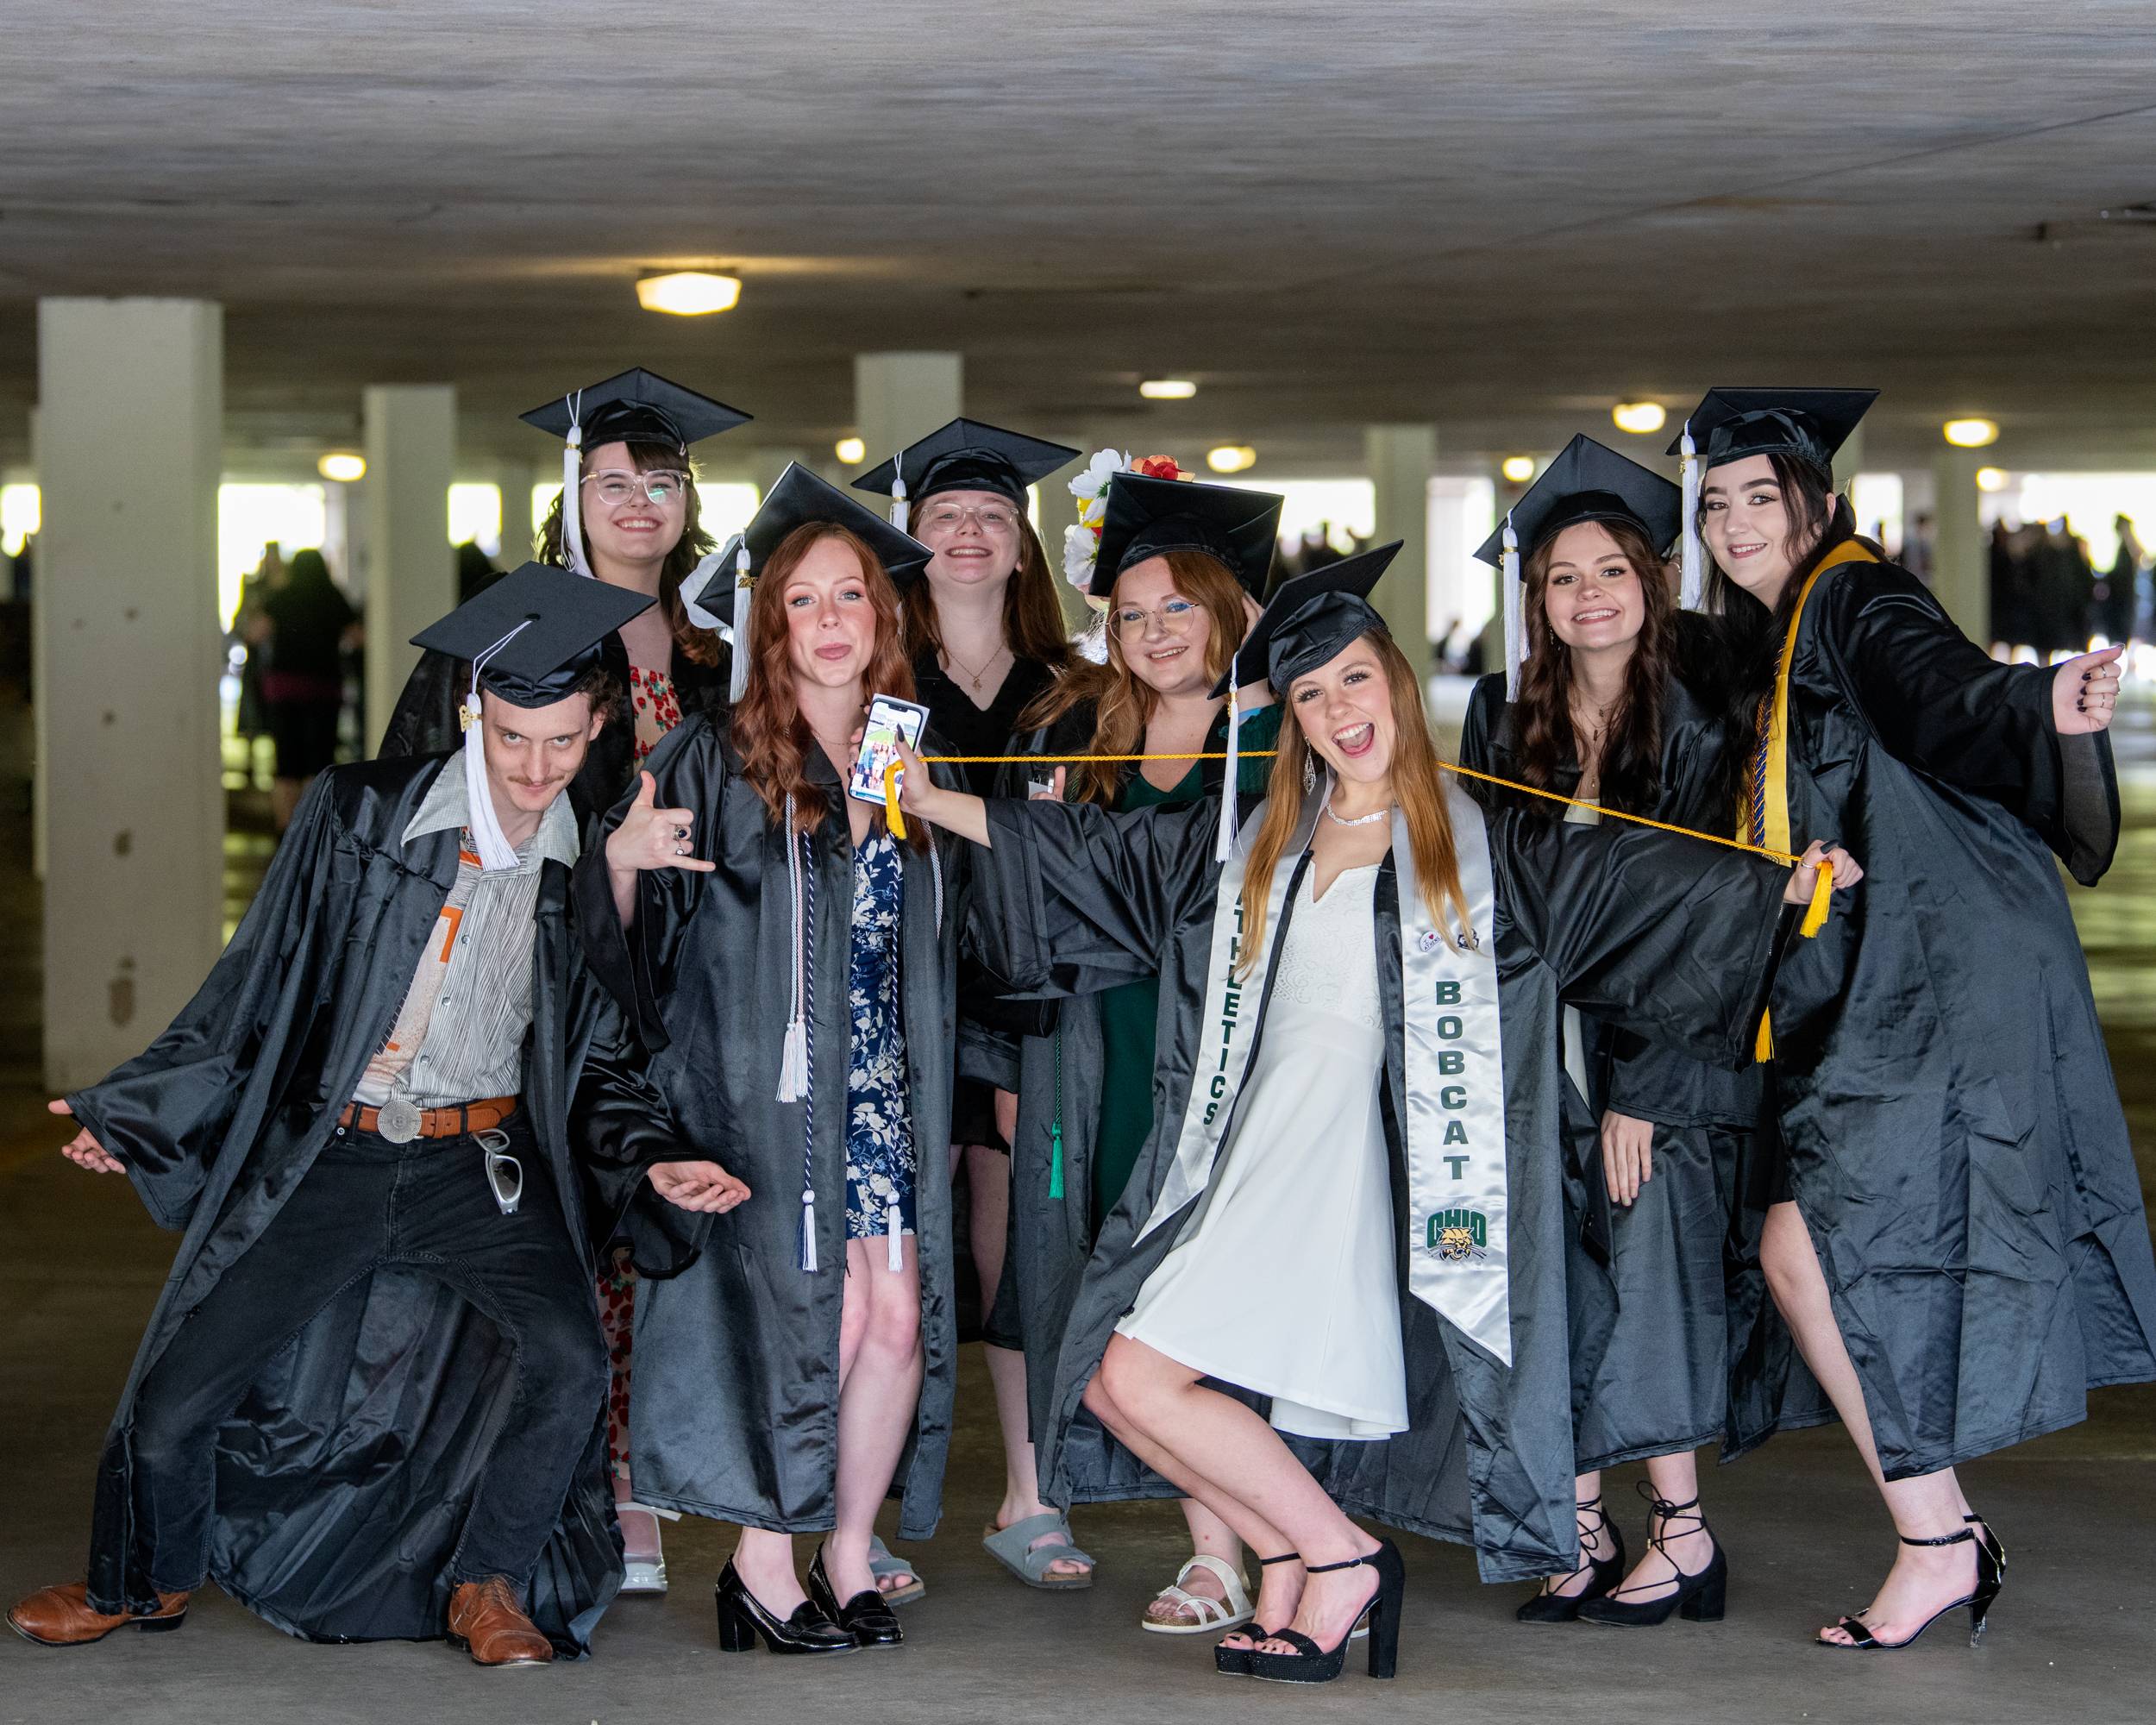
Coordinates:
x,y
62,1616
486,1621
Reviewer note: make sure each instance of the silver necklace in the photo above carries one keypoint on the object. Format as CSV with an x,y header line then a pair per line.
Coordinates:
x,y
1359,820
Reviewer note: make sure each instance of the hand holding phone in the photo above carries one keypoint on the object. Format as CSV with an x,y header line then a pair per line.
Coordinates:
x,y
891,721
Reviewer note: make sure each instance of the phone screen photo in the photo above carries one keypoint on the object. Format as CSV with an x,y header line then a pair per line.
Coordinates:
x,y
891,721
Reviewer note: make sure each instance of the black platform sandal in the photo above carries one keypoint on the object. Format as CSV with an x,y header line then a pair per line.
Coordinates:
x,y
1699,1595
867,1616
1236,1661
1310,1663
1990,1579
1562,1608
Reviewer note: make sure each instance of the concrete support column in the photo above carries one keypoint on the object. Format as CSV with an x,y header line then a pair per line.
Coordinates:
x,y
1400,458
520,528
129,439
1961,567
411,570
899,397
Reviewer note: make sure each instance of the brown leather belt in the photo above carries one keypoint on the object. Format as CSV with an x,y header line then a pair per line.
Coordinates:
x,y
467,1117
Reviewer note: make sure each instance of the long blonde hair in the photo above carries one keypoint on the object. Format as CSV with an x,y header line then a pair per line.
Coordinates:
x,y
1417,788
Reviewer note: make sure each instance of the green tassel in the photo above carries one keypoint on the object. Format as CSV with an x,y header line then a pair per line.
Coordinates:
x,y
1056,1160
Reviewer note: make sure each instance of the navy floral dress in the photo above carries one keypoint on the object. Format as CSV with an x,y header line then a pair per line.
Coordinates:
x,y
878,1128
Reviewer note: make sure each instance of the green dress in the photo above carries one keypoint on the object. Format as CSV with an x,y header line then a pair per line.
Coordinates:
x,y
1130,1013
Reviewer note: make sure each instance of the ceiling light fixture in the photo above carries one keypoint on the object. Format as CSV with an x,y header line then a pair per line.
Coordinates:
x,y
850,450
1990,479
1168,389
1231,458
1517,468
1971,434
1638,418
688,293
341,466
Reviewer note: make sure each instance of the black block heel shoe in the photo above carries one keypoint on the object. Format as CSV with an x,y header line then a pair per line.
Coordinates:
x,y
1310,1663
868,1617
1698,1597
742,1619
1562,1608
1990,1576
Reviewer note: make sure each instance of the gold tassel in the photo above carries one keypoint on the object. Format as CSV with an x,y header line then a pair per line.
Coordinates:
x,y
892,818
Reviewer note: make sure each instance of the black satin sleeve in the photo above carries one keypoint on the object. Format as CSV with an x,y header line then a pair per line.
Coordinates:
x,y
425,719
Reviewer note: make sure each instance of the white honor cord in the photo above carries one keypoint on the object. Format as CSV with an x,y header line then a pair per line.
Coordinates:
x,y
496,852
1692,580
738,678
896,1257
1224,842
572,486
1515,611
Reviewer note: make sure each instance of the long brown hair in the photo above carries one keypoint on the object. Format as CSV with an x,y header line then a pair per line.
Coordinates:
x,y
1032,615
1417,788
1123,704
1631,772
768,728
699,646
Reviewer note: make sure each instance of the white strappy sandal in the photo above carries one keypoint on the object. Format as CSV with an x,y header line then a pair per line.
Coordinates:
x,y
1213,1617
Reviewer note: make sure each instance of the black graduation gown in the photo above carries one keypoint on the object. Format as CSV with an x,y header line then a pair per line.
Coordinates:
x,y
1954,1136
1072,898
424,720
222,1117
737,1405
1675,1343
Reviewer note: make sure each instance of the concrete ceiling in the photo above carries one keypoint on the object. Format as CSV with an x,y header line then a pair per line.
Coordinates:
x,y
1329,213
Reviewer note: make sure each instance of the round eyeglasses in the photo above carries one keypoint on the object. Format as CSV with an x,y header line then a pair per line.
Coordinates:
x,y
615,487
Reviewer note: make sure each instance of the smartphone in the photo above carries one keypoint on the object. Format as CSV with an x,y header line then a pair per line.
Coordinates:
x,y
1040,784
891,722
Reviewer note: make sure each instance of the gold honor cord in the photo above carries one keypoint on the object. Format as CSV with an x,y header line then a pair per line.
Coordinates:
x,y
1814,915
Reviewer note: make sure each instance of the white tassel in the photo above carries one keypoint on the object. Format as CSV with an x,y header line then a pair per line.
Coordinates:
x,y
1515,611
496,852
737,683
572,486
808,1229
1224,842
897,1256
898,493
793,1062
1692,577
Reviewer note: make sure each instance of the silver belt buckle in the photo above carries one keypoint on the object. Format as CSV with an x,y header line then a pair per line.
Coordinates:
x,y
398,1119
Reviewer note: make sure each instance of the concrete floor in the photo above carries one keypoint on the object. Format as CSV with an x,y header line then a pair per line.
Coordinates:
x,y
2074,1636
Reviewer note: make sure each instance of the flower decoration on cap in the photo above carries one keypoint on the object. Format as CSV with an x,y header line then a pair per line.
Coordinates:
x,y
1081,543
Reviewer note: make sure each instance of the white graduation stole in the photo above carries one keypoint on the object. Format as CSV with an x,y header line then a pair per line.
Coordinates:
x,y
1457,1261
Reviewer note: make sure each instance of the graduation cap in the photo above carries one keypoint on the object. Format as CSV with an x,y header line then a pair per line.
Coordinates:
x,y
635,406
529,637
1150,517
1588,481
965,455
1733,424
798,497
1310,622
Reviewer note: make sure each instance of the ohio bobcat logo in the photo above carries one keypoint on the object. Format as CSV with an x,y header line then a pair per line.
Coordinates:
x,y
1458,1236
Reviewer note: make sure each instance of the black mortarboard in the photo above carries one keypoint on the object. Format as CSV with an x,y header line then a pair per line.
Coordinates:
x,y
635,407
1589,482
1309,621
1149,518
967,456
533,633
1731,424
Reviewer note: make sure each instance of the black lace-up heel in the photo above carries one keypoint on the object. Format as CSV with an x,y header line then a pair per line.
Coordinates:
x,y
1236,1661
1698,1596
1310,1663
1547,1606
1990,1576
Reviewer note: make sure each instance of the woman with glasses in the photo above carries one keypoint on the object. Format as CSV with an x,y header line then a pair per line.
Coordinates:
x,y
985,631
789,961
1178,566
629,520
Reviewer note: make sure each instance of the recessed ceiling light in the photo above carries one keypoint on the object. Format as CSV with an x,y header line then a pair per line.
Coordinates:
x,y
1638,418
688,293
1517,468
1971,434
1990,479
341,466
1231,458
850,450
1168,389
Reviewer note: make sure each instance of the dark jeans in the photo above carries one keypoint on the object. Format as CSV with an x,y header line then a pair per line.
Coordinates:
x,y
366,1204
